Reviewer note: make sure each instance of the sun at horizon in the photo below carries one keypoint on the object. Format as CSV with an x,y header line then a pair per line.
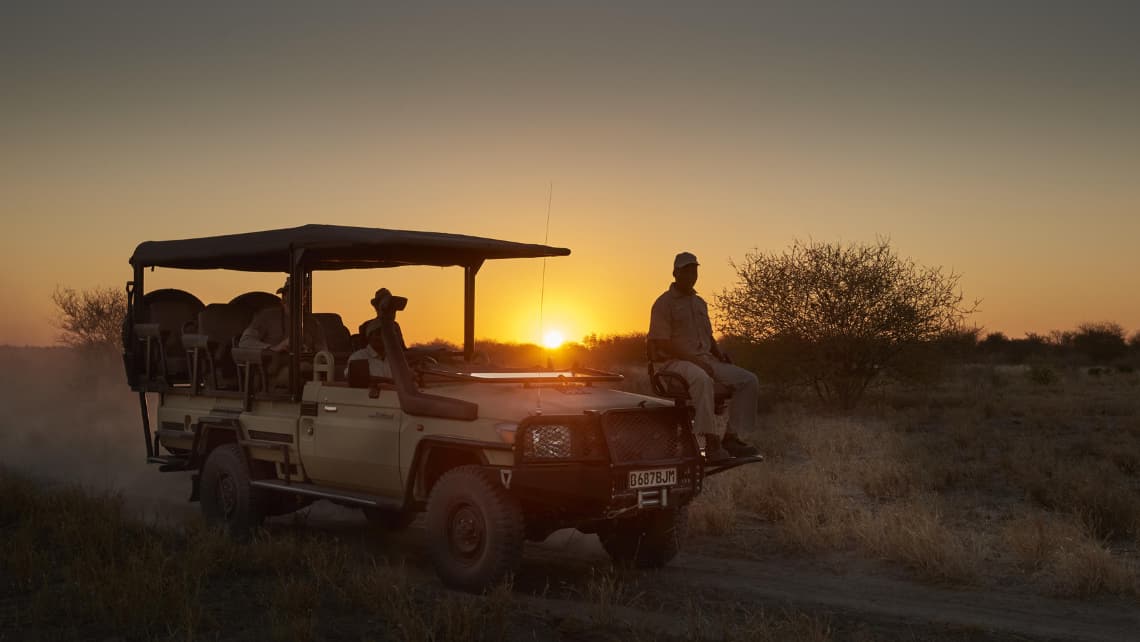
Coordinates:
x,y
553,340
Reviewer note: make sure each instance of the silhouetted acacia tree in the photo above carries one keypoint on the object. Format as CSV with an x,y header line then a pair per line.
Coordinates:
x,y
1100,342
90,319
849,310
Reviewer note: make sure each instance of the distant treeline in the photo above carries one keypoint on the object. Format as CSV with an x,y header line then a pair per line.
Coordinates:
x,y
1090,344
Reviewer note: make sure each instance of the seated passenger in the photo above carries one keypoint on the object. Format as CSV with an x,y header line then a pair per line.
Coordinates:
x,y
376,299
373,352
269,331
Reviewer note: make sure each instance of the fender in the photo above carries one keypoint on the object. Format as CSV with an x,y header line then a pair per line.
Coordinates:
x,y
416,484
227,429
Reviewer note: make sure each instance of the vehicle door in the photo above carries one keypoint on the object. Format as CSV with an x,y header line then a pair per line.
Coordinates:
x,y
354,439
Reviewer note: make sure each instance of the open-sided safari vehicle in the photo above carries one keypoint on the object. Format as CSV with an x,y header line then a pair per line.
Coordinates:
x,y
490,461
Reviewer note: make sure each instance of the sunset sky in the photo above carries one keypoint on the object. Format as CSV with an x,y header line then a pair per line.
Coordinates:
x,y
1000,140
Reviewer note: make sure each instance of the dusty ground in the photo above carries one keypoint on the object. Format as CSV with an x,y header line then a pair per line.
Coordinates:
x,y
991,506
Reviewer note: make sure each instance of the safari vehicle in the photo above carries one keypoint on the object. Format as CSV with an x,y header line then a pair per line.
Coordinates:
x,y
494,456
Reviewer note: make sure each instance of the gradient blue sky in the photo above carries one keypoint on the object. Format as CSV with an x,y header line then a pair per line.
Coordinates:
x,y
997,140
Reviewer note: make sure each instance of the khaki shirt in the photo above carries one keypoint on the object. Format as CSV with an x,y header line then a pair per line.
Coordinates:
x,y
682,318
271,326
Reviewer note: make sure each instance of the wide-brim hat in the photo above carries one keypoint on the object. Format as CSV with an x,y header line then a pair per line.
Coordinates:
x,y
380,294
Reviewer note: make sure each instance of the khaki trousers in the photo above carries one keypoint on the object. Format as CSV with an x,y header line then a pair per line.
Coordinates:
x,y
742,405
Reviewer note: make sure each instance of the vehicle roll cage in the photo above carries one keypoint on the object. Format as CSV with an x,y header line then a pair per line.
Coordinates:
x,y
298,252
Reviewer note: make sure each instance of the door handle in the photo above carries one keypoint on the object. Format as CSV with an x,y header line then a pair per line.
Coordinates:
x,y
330,408
382,415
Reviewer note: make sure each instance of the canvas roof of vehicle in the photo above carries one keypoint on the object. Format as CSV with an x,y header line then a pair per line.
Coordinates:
x,y
331,247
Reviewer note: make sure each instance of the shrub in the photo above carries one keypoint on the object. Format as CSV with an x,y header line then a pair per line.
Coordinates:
x,y
1042,375
850,309
1100,342
90,319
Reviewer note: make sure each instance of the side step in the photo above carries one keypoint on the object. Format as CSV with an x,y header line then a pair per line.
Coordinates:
x,y
729,464
169,463
323,492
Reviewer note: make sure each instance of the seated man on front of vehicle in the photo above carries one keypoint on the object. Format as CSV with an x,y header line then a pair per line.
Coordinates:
x,y
373,352
681,341
269,331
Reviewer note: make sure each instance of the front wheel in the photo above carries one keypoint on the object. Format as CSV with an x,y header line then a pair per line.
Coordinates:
x,y
228,501
474,529
651,540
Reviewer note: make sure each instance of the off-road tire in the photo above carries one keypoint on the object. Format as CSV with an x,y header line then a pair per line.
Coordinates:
x,y
228,501
474,529
390,520
651,540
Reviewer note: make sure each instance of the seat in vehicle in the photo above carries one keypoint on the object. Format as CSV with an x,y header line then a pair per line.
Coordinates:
x,y
219,326
253,302
337,338
166,313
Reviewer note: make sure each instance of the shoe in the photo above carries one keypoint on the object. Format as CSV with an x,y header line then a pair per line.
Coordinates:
x,y
714,452
738,448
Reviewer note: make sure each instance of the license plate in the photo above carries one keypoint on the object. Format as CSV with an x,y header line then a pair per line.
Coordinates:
x,y
650,478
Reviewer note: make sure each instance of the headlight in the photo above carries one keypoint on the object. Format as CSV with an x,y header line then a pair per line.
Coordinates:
x,y
547,442
507,432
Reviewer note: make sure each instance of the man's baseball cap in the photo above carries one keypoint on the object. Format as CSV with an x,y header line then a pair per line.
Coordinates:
x,y
683,259
380,294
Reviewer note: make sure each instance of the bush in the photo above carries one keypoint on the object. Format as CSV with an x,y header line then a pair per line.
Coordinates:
x,y
1042,375
850,309
90,319
1101,342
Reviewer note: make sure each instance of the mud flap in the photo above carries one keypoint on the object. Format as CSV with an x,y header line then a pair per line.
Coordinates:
x,y
729,464
194,486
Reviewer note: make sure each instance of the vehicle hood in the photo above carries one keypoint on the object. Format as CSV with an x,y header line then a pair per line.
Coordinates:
x,y
514,402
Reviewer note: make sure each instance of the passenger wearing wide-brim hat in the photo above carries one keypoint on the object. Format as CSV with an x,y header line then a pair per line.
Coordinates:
x,y
681,341
380,295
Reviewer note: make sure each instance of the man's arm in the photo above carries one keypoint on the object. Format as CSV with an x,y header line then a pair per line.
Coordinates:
x,y
254,335
251,336
717,352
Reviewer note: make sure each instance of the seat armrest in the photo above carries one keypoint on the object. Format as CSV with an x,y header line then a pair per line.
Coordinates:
x,y
195,341
242,355
669,384
148,330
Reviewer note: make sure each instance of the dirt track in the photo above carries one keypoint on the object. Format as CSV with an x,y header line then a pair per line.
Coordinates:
x,y
779,583
874,606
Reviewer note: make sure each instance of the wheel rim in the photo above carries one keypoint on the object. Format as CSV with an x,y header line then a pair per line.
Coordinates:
x,y
227,496
466,533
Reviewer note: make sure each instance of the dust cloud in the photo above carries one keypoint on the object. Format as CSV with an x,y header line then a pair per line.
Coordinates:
x,y
69,418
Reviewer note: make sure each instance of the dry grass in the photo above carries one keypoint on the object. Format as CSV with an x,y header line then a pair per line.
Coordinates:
x,y
1065,558
916,535
924,477
811,514
713,512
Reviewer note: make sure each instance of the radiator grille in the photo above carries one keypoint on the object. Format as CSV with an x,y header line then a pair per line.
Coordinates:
x,y
646,435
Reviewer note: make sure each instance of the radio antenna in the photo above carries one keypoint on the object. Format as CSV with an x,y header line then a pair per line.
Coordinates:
x,y
542,288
